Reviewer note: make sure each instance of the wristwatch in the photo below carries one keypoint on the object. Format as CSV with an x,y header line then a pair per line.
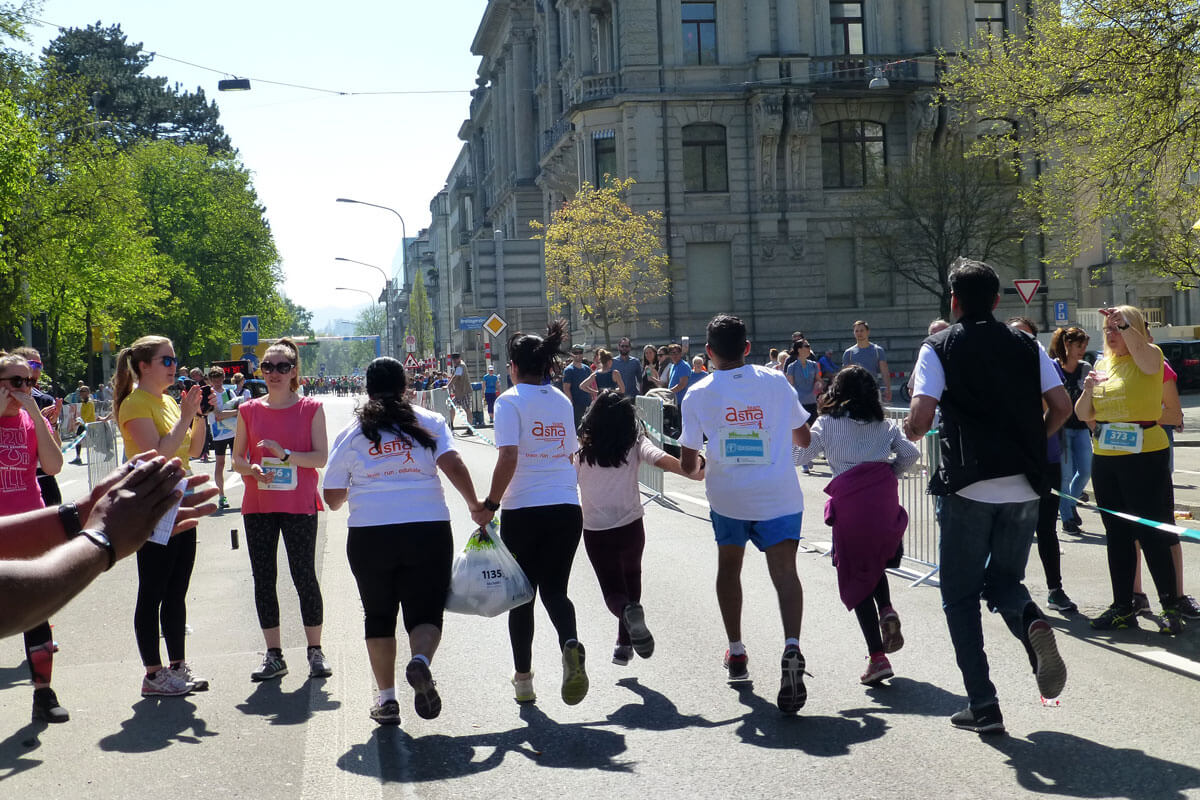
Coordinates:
x,y
286,455
100,539
490,505
68,515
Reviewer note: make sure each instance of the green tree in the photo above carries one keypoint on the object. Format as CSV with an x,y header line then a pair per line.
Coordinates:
x,y
939,206
420,317
297,319
602,257
1105,95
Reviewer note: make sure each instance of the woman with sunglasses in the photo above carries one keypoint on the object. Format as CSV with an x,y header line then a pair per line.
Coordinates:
x,y
26,444
279,444
151,420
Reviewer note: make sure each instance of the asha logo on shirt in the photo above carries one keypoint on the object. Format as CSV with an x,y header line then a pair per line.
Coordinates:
x,y
393,448
750,415
552,431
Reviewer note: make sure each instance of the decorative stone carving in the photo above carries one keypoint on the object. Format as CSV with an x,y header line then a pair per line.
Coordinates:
x,y
796,243
922,121
800,123
769,245
768,124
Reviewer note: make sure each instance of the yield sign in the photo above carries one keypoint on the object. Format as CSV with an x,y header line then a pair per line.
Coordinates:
x,y
410,362
1027,287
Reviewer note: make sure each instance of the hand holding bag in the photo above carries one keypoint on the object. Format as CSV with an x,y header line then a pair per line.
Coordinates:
x,y
485,579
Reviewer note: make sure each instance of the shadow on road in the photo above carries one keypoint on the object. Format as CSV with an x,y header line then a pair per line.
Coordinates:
x,y
1050,762
394,756
907,696
157,723
11,676
655,712
1142,643
288,708
14,750
765,726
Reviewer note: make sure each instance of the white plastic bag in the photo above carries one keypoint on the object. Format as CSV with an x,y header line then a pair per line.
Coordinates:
x,y
485,579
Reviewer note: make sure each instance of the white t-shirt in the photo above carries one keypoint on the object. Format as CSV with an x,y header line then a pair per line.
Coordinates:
x,y
929,379
748,415
394,483
539,420
610,495
224,428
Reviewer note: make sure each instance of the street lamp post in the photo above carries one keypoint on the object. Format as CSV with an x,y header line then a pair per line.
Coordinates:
x,y
374,300
389,344
403,238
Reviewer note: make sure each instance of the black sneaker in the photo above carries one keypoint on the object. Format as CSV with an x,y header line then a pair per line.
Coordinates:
x,y
1059,601
635,621
792,694
1071,526
273,666
1140,602
46,707
1170,622
1115,618
426,700
980,720
1188,607
1051,671
738,667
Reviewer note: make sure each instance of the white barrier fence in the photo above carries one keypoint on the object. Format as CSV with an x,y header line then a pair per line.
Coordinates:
x,y
650,411
921,537
101,443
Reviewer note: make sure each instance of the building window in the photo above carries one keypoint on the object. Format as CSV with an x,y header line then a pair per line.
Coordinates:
x,y
841,274
990,19
852,154
705,168
604,152
846,28
709,277
699,32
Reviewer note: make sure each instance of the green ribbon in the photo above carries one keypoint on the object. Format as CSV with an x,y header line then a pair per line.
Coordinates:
x,y
1186,533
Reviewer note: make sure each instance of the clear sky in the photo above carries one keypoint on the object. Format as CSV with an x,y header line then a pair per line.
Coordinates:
x,y
305,148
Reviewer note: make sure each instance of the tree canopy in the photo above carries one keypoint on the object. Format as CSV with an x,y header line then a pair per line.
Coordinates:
x,y
602,257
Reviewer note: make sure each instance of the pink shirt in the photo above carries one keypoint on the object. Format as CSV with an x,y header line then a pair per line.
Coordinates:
x,y
609,495
292,428
18,465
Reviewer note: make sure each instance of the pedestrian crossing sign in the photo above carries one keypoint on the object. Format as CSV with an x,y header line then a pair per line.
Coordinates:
x,y
249,329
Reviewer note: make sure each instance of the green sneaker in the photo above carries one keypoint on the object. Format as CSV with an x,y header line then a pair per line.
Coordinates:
x,y
575,679
1115,618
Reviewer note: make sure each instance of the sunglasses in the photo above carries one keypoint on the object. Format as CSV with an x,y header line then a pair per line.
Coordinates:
x,y
167,361
18,381
35,365
283,367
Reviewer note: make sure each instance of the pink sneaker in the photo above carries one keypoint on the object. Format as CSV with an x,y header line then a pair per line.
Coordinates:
x,y
889,626
878,669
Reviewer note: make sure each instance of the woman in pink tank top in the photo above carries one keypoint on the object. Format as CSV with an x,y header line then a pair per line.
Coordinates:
x,y
279,444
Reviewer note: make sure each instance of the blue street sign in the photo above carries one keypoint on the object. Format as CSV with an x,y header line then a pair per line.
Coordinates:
x,y
250,331
471,323
252,357
1060,312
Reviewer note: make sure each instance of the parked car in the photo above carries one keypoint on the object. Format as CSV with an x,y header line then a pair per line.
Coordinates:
x,y
257,388
1184,355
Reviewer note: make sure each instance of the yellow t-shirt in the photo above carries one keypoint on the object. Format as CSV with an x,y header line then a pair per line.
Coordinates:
x,y
161,408
87,411
1130,395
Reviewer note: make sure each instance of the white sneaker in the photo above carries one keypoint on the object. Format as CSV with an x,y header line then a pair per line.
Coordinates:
x,y
184,672
165,683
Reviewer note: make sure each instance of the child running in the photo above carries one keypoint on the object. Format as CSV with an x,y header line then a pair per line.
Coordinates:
x,y
611,446
864,506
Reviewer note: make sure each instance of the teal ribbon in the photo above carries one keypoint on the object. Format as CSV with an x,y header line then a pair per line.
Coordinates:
x,y
1186,533
665,439
453,414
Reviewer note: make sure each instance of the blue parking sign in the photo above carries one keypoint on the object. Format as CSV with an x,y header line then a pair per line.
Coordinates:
x,y
1060,312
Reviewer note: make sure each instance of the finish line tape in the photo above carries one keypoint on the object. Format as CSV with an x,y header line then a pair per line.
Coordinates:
x,y
1187,533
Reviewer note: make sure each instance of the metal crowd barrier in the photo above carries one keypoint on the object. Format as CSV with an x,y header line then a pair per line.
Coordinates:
x,y
101,445
650,411
921,537
435,400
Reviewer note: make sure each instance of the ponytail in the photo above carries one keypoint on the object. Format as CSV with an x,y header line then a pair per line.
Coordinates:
x,y
387,408
538,357
140,352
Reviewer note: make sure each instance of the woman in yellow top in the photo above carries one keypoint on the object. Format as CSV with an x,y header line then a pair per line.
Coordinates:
x,y
151,420
1130,472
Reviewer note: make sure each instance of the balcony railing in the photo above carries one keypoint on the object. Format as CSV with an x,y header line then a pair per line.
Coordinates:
x,y
554,135
861,68
595,87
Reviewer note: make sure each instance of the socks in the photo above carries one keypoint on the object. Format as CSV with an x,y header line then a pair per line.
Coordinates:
x,y
737,649
791,642
387,694
275,651
422,658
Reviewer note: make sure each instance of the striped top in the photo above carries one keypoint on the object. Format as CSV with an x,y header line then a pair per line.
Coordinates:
x,y
848,442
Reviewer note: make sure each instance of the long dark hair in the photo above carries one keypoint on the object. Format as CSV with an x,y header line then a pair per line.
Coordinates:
x,y
609,430
852,393
387,409
536,357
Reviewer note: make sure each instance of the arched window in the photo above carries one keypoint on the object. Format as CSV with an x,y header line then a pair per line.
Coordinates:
x,y
853,154
705,167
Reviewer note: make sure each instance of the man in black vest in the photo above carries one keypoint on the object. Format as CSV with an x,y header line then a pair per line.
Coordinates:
x,y
990,382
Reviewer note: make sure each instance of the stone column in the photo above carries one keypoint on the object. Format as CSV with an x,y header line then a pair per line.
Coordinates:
x,y
522,109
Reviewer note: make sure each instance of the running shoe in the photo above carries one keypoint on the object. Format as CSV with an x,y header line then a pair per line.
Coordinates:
x,y
1071,526
878,669
622,655
1170,622
524,689
1059,601
806,469
386,712
426,700
980,720
738,667
318,665
1078,520
273,666
1188,607
792,694
1140,602
222,502
165,683
889,627
184,671
46,707
1115,618
635,622
1051,671
575,679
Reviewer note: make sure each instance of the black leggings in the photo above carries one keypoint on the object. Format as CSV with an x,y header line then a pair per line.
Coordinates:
x,y
300,540
868,614
543,540
402,566
1138,484
164,572
1047,528
39,653
616,556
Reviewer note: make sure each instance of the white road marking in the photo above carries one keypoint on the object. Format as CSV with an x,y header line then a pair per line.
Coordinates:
x,y
1171,661
687,499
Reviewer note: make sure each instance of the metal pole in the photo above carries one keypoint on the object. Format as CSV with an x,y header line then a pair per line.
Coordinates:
x,y
501,300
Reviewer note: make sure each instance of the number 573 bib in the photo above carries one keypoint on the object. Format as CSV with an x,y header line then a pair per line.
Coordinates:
x,y
744,445
1125,437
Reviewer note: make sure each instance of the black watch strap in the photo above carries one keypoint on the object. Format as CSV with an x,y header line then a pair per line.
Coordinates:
x,y
100,538
490,504
68,515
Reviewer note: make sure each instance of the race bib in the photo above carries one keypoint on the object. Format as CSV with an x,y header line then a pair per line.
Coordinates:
x,y
286,477
1125,437
744,445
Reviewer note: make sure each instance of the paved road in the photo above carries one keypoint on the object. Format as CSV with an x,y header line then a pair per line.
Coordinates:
x,y
665,727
